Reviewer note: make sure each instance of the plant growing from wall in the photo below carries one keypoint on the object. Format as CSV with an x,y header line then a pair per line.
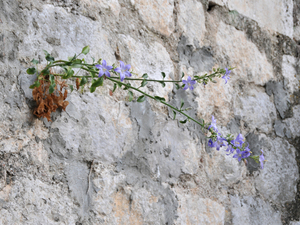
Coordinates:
x,y
50,92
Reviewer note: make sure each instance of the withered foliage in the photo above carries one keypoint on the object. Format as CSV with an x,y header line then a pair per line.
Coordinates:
x,y
48,103
77,83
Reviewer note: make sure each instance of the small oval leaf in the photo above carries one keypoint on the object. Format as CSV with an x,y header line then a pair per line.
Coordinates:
x,y
85,50
31,70
130,96
141,98
83,81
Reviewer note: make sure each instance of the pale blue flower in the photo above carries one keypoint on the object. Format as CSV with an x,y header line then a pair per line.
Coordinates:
x,y
226,76
189,83
123,70
104,69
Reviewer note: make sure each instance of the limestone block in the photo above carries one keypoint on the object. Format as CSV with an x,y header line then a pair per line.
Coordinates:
x,y
277,181
45,203
195,210
191,20
151,59
112,5
289,73
250,210
215,98
279,19
244,55
219,2
157,14
295,223
67,35
99,125
256,109
223,168
291,125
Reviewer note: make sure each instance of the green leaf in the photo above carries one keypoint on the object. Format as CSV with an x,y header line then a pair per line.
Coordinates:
x,y
162,83
49,58
93,60
97,83
163,74
255,157
35,84
83,81
119,84
46,53
145,75
183,121
71,87
128,85
174,115
77,63
72,58
52,80
214,81
177,86
144,83
85,50
93,74
34,61
31,70
130,96
182,103
158,98
51,88
182,75
115,87
68,74
141,98
45,71
92,89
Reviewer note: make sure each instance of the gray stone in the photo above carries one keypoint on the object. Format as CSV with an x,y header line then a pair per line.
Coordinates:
x,y
107,161
277,181
281,98
200,58
280,19
249,210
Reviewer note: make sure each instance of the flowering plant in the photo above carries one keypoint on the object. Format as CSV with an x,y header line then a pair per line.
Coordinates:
x,y
48,92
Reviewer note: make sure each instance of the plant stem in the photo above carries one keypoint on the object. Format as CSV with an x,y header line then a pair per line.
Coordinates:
x,y
163,102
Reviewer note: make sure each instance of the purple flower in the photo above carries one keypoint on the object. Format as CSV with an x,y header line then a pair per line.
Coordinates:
x,y
104,69
220,142
246,154
188,83
213,124
123,70
238,154
261,159
226,76
239,141
211,143
230,149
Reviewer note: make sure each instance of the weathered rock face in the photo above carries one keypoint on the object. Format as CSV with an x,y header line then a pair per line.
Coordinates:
x,y
108,161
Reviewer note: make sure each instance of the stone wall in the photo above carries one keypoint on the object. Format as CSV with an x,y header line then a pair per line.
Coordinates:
x,y
108,161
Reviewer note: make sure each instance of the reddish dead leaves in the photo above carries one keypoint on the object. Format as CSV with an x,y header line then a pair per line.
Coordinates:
x,y
48,103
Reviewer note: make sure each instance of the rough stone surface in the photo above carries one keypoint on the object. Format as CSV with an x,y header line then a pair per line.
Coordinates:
x,y
191,20
108,161
157,14
249,210
279,19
